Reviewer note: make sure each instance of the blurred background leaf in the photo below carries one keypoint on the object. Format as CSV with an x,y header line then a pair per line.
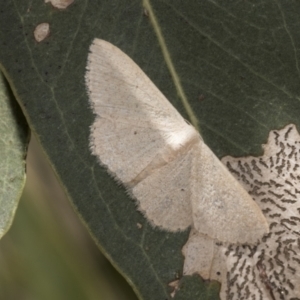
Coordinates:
x,y
14,138
48,254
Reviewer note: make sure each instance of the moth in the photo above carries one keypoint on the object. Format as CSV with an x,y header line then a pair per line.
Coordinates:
x,y
162,160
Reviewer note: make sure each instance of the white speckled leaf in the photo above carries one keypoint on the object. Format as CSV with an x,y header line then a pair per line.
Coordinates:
x,y
13,143
271,269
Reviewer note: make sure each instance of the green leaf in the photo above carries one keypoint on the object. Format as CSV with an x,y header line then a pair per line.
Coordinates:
x,y
47,254
13,145
236,63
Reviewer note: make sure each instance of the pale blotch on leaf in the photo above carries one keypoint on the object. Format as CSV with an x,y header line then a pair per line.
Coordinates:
x,y
162,160
60,4
41,31
270,269
174,285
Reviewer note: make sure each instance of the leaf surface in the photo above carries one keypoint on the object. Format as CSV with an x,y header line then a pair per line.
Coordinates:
x,y
235,63
13,145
